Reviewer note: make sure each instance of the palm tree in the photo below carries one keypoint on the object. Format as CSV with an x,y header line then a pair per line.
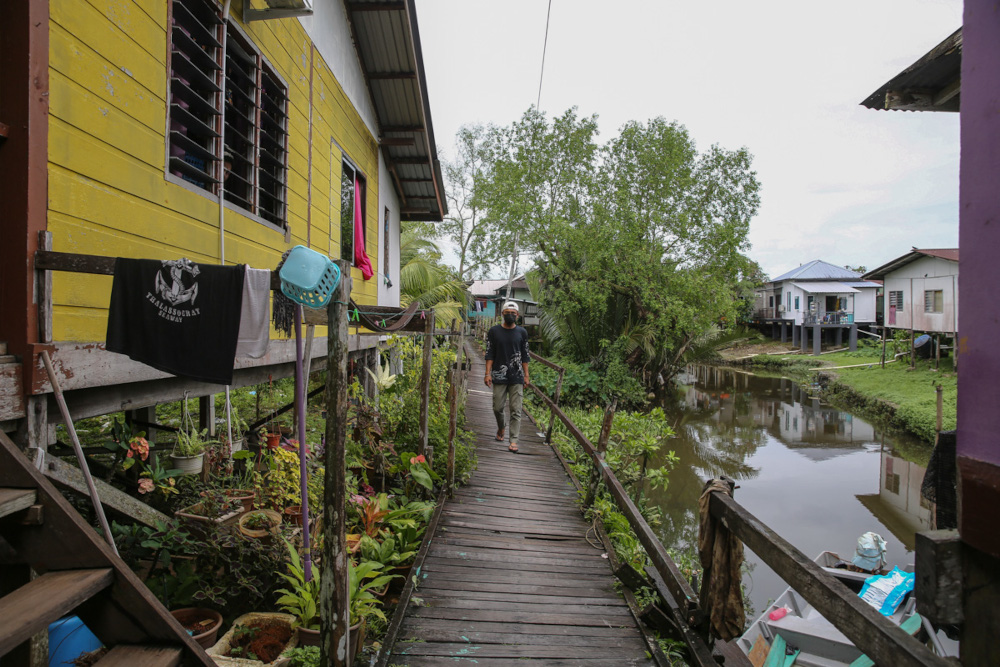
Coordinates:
x,y
423,278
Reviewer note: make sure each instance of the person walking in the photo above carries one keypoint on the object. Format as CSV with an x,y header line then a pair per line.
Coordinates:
x,y
507,370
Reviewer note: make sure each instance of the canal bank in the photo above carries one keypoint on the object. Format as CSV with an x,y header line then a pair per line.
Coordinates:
x,y
819,475
896,396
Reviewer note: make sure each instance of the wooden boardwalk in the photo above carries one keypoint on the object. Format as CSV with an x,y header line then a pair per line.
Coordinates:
x,y
510,578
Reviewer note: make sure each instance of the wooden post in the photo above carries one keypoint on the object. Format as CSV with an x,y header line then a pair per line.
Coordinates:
x,y
425,383
456,386
940,407
884,334
913,356
602,446
206,414
555,399
937,352
334,597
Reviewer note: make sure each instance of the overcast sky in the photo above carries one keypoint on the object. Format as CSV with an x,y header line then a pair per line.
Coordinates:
x,y
840,182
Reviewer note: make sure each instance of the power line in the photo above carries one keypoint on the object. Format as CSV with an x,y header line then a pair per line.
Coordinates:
x,y
545,46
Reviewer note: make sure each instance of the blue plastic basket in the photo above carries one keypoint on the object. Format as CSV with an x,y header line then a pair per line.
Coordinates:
x,y
309,277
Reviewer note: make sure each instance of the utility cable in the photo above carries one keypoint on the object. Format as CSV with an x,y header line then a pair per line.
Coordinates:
x,y
538,106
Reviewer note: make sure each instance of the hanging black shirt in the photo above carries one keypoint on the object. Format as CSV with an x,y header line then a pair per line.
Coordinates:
x,y
508,348
177,316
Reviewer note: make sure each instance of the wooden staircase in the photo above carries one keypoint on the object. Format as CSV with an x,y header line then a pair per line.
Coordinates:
x,y
77,574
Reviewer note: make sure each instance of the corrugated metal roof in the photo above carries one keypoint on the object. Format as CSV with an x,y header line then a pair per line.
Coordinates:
x,y
387,40
933,83
818,270
950,254
861,284
829,287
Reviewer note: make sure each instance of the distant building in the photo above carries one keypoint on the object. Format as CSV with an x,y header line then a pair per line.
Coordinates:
x,y
817,293
488,297
921,290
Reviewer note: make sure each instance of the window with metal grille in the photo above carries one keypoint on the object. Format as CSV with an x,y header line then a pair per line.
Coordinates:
x,y
228,136
352,189
934,301
194,120
896,299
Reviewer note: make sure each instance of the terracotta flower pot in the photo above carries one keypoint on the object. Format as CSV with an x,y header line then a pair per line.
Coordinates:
x,y
203,623
308,637
245,496
293,513
273,440
273,517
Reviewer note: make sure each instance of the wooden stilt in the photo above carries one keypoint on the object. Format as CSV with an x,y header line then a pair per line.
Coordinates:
x,y
425,382
455,397
334,598
602,446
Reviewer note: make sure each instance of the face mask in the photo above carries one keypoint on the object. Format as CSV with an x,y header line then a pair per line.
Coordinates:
x,y
509,318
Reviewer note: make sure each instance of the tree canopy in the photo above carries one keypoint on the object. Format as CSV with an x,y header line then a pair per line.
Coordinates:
x,y
638,242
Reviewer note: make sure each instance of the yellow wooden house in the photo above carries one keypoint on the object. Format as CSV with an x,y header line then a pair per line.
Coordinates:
x,y
225,132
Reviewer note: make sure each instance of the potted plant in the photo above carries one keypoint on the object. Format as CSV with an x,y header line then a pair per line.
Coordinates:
x,y
363,580
214,510
385,554
301,598
255,639
259,523
300,656
203,624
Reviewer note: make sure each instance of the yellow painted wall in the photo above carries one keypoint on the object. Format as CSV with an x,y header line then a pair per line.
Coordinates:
x,y
107,191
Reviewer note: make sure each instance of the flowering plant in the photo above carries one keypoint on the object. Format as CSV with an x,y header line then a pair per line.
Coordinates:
x,y
128,447
157,478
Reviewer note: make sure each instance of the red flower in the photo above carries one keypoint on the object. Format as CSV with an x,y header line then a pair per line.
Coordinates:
x,y
418,459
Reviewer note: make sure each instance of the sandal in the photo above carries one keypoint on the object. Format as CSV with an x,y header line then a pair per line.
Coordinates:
x,y
512,448
500,434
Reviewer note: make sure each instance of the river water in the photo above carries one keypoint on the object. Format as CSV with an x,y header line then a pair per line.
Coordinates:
x,y
818,476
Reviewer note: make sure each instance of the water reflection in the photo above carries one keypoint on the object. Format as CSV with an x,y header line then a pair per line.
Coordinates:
x,y
817,475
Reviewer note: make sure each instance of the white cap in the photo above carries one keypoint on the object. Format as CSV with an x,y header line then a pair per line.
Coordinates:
x,y
511,305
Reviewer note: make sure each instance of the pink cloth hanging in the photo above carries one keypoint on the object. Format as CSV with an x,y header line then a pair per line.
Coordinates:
x,y
360,256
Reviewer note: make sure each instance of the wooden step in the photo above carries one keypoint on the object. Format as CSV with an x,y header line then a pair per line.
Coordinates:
x,y
15,500
51,596
146,656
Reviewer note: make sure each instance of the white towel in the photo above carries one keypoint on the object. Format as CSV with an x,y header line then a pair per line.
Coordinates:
x,y
255,325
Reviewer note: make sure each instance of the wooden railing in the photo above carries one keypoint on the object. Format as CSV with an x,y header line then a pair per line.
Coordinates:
x,y
881,640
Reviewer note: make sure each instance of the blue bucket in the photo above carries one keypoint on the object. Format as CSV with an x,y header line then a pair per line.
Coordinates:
x,y
68,638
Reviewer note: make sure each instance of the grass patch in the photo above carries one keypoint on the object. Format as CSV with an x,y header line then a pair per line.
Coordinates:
x,y
896,396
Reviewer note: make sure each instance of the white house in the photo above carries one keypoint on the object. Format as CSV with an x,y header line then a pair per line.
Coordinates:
x,y
921,290
818,293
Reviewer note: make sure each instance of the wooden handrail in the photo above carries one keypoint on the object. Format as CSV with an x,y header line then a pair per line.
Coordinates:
x,y
879,639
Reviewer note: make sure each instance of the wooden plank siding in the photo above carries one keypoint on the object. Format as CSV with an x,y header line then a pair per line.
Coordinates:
x,y
108,193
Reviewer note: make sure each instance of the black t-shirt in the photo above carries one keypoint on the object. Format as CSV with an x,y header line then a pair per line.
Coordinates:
x,y
177,316
508,349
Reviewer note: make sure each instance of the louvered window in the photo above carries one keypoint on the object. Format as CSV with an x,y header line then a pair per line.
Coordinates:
x,y
236,141
934,301
896,299
195,93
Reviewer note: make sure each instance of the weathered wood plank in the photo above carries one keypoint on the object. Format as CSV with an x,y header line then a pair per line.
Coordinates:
x,y
147,656
475,651
15,500
32,607
626,642
413,624
69,476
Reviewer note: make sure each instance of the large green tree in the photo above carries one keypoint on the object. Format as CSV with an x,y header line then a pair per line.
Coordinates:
x,y
639,243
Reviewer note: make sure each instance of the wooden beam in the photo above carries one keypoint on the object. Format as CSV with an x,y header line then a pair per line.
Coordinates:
x,y
69,476
403,128
416,180
412,160
939,576
376,6
397,141
878,638
390,76
334,598
948,92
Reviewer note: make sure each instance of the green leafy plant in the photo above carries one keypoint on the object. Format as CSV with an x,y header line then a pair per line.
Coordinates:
x,y
301,598
363,580
283,486
385,552
303,656
258,521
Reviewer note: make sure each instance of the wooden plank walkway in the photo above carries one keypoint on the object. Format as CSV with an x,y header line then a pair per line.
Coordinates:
x,y
510,578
